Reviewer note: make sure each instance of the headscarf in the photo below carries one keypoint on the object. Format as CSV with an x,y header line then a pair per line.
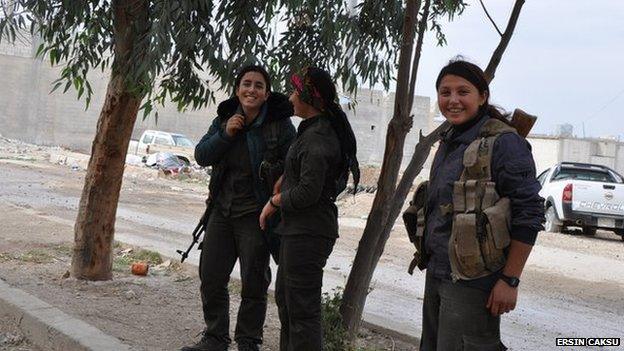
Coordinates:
x,y
308,93
316,88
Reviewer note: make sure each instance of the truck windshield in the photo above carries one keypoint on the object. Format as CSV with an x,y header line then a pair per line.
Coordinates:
x,y
585,174
181,140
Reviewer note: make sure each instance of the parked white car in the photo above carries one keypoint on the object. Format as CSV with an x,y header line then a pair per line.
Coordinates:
x,y
583,195
154,141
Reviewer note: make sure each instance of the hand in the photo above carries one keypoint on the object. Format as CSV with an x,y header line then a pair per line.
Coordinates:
x,y
502,299
277,188
266,213
234,124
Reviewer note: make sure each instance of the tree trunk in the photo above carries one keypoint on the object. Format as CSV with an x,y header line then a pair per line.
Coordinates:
x,y
95,224
360,277
421,152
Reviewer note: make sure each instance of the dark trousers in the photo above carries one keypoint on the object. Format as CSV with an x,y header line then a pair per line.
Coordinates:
x,y
455,318
225,240
298,291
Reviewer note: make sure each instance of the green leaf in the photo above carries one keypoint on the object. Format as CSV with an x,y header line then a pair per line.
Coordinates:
x,y
56,86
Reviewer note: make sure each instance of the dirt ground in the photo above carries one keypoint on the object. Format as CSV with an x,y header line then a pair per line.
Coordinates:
x,y
12,339
161,311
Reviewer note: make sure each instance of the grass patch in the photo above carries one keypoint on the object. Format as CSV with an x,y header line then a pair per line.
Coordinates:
x,y
235,287
122,262
65,250
4,257
18,158
36,256
334,333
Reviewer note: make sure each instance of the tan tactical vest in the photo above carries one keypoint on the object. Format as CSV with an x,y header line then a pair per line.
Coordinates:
x,y
481,219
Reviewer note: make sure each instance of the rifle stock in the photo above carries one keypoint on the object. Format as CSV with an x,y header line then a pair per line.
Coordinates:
x,y
523,122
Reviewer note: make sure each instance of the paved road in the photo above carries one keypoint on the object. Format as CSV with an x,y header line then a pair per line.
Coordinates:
x,y
572,286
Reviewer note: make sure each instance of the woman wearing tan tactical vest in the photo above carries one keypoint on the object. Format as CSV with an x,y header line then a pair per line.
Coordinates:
x,y
482,215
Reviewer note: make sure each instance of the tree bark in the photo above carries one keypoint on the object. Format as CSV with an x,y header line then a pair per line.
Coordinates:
x,y
356,289
95,224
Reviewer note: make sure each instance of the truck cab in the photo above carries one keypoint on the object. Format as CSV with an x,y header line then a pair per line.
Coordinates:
x,y
154,141
583,195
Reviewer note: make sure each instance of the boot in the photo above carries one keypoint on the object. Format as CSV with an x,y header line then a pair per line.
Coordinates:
x,y
208,343
247,345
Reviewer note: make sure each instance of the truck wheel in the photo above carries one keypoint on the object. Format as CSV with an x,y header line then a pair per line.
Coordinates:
x,y
589,231
620,232
552,224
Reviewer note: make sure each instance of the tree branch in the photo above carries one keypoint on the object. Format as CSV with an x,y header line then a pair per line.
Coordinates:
x,y
490,17
422,27
497,55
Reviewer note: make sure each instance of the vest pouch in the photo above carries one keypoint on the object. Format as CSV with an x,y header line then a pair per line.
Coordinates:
x,y
465,249
414,219
497,234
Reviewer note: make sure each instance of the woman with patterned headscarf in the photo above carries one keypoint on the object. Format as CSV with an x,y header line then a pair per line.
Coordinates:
x,y
316,170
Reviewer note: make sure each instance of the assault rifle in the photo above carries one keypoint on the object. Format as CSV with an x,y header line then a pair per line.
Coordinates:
x,y
199,229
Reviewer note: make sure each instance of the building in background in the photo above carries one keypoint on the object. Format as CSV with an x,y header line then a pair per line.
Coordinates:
x,y
565,130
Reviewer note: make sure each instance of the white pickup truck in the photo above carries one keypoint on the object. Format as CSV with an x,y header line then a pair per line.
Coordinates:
x,y
583,195
154,141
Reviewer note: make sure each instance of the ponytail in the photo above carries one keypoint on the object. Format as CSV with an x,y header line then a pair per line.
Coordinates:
x,y
348,144
317,89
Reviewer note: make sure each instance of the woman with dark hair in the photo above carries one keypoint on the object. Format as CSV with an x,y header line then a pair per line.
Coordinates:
x,y
316,169
482,216
245,145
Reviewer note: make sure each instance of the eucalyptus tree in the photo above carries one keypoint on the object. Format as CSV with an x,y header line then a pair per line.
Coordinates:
x,y
181,51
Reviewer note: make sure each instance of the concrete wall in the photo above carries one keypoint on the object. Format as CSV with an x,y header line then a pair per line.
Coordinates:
x,y
550,150
545,152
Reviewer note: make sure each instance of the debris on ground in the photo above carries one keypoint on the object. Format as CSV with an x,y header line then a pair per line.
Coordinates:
x,y
165,161
134,160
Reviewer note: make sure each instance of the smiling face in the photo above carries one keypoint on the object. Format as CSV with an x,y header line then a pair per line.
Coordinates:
x,y
458,99
252,91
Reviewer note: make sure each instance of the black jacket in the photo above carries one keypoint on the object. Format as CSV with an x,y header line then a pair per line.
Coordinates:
x,y
211,148
311,170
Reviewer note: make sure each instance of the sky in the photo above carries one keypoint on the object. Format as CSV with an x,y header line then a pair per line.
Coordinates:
x,y
565,61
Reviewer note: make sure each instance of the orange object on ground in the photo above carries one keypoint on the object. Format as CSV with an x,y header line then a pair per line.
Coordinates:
x,y
140,268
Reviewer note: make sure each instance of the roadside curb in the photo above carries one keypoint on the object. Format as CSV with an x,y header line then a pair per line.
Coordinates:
x,y
395,333
50,328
